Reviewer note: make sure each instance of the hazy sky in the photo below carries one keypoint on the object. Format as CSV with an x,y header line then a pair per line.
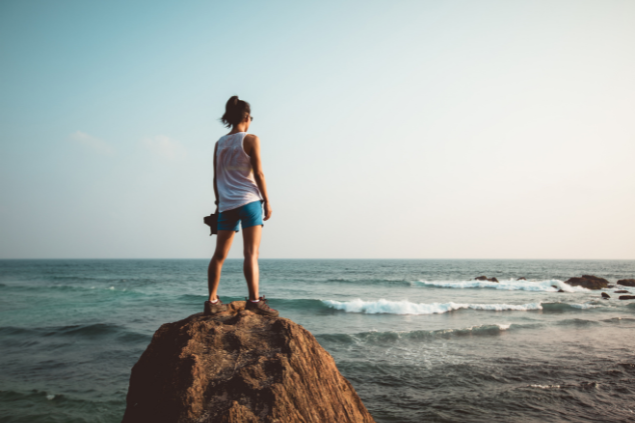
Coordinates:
x,y
390,129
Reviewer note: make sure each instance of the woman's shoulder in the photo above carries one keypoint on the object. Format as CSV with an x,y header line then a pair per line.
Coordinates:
x,y
251,139
250,142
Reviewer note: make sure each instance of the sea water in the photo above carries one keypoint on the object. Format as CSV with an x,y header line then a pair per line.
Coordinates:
x,y
420,340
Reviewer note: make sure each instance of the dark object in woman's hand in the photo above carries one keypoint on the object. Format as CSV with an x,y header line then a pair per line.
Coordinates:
x,y
212,222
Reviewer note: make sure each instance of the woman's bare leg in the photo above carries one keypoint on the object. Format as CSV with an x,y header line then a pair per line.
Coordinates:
x,y
251,241
224,241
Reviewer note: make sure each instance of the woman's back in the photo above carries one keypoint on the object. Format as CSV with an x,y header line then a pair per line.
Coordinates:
x,y
234,173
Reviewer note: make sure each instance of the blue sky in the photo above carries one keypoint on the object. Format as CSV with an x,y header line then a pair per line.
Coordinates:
x,y
422,129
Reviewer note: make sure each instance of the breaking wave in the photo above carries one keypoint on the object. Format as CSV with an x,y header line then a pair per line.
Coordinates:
x,y
406,307
552,285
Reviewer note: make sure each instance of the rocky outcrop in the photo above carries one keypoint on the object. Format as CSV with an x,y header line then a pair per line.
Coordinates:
x,y
605,296
621,291
626,282
485,278
522,278
239,367
589,282
627,297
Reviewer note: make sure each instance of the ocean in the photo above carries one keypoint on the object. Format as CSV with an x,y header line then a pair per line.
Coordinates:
x,y
420,340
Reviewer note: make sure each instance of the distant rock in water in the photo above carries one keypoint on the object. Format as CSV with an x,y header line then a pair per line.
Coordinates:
x,y
239,367
588,282
605,295
627,297
626,282
485,278
621,291
522,279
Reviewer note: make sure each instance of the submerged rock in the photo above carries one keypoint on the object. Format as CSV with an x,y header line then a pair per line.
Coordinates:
x,y
236,367
627,297
605,295
621,291
485,278
626,282
522,278
588,282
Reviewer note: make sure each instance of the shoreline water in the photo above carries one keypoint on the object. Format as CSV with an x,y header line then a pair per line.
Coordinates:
x,y
72,329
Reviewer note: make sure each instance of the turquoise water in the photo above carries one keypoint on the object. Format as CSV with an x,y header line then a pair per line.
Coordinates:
x,y
420,340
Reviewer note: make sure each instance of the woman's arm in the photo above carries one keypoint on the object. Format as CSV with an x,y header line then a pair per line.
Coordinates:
x,y
251,145
215,186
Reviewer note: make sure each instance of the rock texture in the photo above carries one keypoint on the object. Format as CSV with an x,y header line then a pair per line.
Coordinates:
x,y
239,367
605,295
589,282
522,278
485,278
621,291
626,282
627,297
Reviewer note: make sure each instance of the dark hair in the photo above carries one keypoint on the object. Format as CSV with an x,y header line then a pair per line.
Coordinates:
x,y
235,111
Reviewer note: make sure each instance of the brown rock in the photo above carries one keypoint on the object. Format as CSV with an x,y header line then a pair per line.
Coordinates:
x,y
605,295
627,297
485,278
589,282
237,367
626,282
621,291
522,279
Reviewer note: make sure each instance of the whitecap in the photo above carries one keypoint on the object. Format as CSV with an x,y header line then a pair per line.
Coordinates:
x,y
551,285
545,386
584,306
406,307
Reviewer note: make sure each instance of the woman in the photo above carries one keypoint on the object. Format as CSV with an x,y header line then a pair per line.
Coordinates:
x,y
241,194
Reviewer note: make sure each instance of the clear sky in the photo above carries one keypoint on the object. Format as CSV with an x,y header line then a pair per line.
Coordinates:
x,y
390,129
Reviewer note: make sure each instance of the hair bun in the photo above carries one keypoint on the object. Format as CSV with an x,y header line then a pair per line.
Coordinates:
x,y
235,111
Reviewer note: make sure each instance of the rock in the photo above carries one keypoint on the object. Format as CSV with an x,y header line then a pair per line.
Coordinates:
x,y
605,295
627,297
611,286
588,282
561,290
626,282
485,278
522,279
621,291
236,367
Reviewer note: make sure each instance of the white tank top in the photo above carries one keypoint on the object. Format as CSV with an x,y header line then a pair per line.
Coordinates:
x,y
234,174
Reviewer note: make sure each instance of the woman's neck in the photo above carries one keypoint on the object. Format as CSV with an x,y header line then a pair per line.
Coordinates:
x,y
241,127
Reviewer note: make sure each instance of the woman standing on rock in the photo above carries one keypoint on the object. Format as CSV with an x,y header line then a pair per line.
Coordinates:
x,y
241,194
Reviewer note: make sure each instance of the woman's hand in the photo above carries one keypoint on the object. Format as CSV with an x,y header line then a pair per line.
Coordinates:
x,y
268,210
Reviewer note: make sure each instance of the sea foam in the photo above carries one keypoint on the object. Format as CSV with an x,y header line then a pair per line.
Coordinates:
x,y
406,307
552,285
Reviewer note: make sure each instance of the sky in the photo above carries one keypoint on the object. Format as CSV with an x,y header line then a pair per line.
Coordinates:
x,y
389,129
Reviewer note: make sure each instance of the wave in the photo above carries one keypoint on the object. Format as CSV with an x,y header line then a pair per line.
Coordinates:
x,y
73,288
94,331
551,285
383,306
388,282
406,307
391,337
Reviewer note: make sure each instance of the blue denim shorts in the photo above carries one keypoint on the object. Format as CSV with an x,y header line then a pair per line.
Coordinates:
x,y
249,215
